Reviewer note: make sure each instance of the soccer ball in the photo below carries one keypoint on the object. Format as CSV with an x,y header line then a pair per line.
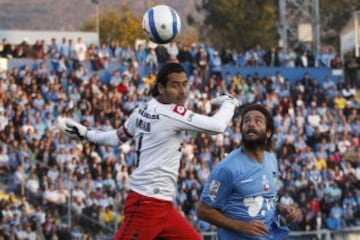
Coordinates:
x,y
161,23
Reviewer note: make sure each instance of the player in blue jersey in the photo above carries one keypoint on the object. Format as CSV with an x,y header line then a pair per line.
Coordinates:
x,y
240,196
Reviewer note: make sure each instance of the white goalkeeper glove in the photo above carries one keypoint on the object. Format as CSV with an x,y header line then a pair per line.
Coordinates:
x,y
72,128
225,97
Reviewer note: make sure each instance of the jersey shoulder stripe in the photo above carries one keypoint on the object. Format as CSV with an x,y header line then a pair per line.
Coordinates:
x,y
123,134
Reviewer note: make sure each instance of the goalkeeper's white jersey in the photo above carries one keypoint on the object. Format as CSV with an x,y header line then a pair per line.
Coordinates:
x,y
157,129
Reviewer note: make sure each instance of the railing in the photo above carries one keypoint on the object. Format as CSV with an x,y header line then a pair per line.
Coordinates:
x,y
7,185
352,233
293,74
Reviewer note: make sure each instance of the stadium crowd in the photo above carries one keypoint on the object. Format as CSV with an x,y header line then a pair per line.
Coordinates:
x,y
316,139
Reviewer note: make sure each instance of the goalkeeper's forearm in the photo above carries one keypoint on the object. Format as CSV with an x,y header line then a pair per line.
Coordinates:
x,y
104,138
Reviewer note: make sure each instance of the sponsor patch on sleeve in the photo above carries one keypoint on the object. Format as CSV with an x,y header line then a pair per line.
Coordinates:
x,y
213,189
180,110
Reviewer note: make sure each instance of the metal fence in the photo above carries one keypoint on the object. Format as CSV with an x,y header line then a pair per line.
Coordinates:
x,y
7,185
352,233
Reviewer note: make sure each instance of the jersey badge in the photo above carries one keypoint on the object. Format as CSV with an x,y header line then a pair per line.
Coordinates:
x,y
213,189
266,188
179,110
265,183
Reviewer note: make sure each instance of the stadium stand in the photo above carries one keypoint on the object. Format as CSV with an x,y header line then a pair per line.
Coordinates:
x,y
58,188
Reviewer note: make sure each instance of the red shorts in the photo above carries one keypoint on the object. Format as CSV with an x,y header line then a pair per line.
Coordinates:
x,y
149,218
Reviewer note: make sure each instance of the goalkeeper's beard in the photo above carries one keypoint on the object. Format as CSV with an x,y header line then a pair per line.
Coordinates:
x,y
258,143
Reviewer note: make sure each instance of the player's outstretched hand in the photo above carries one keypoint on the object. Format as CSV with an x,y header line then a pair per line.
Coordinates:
x,y
225,97
291,214
255,228
72,128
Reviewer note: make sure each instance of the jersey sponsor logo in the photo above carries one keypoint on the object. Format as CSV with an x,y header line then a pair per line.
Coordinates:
x,y
213,189
254,205
179,110
148,115
259,205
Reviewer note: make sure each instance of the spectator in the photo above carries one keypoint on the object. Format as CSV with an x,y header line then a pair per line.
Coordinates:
x,y
43,96
162,54
103,56
335,221
290,58
216,66
286,199
80,52
173,51
202,64
7,49
271,58
336,62
152,61
170,74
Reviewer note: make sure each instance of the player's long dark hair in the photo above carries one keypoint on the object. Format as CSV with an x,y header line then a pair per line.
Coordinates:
x,y
269,120
162,76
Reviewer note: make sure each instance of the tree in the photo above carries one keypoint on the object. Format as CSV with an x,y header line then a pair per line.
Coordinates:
x,y
241,23
244,23
121,25
333,17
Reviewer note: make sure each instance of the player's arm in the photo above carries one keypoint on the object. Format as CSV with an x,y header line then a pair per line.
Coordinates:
x,y
215,196
291,213
185,119
111,138
215,217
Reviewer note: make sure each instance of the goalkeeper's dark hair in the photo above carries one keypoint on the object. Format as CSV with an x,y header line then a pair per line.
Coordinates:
x,y
164,72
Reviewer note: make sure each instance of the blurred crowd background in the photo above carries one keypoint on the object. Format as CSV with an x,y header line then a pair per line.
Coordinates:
x,y
52,182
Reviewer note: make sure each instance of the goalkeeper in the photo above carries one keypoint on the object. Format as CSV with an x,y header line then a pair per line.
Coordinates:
x,y
157,128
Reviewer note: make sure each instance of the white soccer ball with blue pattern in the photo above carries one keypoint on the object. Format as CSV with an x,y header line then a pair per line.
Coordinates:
x,y
161,23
